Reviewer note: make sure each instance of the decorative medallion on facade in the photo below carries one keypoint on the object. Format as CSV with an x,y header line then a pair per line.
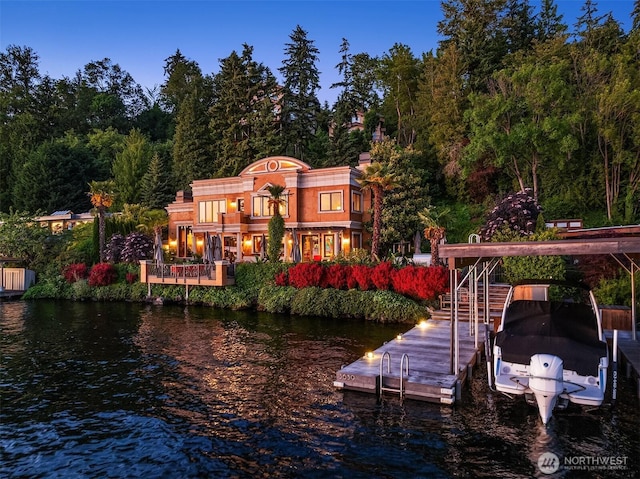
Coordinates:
x,y
273,164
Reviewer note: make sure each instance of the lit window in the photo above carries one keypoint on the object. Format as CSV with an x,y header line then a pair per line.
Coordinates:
x,y
356,202
262,208
208,210
331,201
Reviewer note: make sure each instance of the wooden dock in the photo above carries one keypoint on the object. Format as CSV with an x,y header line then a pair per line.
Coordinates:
x,y
10,294
423,355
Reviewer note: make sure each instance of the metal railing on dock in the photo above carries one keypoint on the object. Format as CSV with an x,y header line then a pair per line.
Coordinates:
x,y
404,369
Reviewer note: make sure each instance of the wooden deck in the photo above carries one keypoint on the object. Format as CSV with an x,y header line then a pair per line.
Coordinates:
x,y
429,377
216,274
10,294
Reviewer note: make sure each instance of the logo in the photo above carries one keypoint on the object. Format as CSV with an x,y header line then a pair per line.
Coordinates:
x,y
548,463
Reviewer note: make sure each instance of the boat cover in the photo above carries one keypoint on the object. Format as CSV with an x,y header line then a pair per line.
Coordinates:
x,y
564,329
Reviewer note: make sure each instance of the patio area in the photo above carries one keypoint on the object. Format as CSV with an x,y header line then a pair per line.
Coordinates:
x,y
218,273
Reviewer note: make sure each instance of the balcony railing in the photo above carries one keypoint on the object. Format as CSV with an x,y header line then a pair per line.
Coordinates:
x,y
219,273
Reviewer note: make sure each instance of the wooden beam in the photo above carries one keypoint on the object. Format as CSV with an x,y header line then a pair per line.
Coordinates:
x,y
463,253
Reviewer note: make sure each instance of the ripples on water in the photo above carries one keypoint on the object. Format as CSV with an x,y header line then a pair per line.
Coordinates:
x,y
128,390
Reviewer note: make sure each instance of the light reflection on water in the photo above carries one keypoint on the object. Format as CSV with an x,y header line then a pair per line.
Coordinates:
x,y
128,390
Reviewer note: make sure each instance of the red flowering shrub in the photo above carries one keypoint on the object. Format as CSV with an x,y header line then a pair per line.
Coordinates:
x,y
131,277
361,274
75,271
417,282
336,276
403,281
435,283
352,283
102,274
420,282
304,275
381,275
282,279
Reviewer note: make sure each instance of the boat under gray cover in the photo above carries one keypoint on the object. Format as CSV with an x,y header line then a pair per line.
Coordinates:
x,y
564,329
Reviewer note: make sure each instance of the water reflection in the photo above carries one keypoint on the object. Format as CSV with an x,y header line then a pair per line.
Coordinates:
x,y
127,390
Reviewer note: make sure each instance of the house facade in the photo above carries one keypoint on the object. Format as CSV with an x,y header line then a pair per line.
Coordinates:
x,y
58,221
324,212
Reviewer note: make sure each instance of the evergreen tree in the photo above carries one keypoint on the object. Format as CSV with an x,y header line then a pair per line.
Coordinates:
x,y
242,114
276,223
473,26
156,187
400,205
54,177
343,149
549,24
589,20
130,166
518,26
192,152
155,122
19,127
183,76
266,140
299,102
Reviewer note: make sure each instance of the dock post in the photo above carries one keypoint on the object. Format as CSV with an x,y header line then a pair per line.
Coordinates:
x,y
453,288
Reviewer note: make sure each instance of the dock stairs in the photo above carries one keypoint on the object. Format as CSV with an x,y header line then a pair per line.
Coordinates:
x,y
497,295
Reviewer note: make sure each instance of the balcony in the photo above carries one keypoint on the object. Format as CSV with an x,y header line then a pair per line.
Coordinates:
x,y
220,273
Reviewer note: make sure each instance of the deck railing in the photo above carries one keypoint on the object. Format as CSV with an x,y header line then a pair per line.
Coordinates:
x,y
183,271
219,273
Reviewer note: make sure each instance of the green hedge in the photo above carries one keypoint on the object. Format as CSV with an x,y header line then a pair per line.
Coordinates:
x,y
383,306
254,288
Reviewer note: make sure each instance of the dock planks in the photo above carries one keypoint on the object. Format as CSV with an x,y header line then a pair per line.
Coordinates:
x,y
428,351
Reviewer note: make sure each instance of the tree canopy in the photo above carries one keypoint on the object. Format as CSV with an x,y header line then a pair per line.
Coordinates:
x,y
514,97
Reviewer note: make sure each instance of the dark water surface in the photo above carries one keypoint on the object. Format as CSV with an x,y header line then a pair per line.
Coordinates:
x,y
129,390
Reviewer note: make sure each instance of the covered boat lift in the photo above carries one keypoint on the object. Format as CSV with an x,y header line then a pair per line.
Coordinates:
x,y
482,259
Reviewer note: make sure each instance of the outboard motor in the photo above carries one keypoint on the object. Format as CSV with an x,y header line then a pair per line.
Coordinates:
x,y
546,382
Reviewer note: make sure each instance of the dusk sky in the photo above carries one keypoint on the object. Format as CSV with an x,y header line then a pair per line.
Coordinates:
x,y
140,35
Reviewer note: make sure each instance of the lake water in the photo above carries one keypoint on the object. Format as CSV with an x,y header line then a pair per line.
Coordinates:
x,y
131,390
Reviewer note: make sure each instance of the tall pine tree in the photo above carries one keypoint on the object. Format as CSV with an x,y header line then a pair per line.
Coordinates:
x,y
156,187
299,102
243,112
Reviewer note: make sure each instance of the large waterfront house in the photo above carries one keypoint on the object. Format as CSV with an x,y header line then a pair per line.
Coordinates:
x,y
324,212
